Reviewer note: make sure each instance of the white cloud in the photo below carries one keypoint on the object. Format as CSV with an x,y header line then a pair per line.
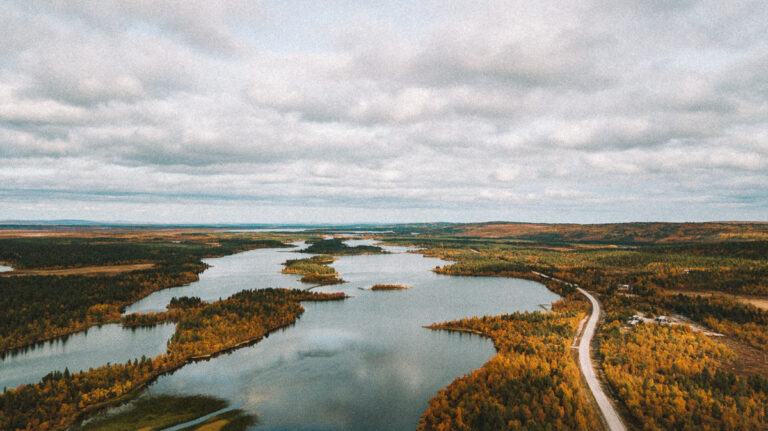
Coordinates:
x,y
459,110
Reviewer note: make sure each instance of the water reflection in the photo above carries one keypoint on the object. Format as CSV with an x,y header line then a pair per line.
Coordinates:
x,y
228,275
92,348
363,363
112,343
367,362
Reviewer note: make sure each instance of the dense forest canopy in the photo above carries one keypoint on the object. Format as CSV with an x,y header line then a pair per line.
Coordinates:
x,y
611,233
38,307
337,247
665,377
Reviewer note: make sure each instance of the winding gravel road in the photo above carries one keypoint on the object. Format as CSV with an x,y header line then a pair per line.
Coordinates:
x,y
585,362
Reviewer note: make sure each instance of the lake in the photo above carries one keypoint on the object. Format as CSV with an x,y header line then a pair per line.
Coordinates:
x,y
363,363
366,362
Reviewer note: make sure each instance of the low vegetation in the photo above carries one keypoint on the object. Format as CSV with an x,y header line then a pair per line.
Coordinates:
x,y
81,270
159,412
155,413
231,420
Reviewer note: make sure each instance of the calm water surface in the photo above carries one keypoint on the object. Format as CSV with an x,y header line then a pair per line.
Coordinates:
x,y
364,363
92,348
228,275
112,343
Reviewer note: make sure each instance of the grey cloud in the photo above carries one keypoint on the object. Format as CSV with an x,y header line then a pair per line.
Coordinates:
x,y
475,109
103,69
38,112
199,23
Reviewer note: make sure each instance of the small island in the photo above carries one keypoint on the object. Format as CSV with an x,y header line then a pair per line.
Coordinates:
x,y
390,287
314,269
336,247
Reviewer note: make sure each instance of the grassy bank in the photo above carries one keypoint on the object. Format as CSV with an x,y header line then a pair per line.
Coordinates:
x,y
155,413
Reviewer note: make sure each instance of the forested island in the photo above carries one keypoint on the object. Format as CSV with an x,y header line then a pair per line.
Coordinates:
x,y
337,247
314,270
389,287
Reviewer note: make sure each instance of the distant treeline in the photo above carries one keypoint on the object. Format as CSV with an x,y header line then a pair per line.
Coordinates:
x,y
337,247
47,252
615,233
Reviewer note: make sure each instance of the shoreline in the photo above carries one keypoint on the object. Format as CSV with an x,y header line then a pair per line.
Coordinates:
x,y
140,387
65,332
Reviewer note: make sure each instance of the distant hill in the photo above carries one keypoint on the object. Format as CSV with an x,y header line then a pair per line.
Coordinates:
x,y
62,222
638,233
614,233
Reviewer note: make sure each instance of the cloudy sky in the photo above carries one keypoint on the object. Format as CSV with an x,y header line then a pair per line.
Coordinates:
x,y
340,111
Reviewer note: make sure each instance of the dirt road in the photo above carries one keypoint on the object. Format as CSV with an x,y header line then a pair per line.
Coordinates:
x,y
585,363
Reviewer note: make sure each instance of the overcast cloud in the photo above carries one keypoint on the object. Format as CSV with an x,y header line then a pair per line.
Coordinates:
x,y
285,111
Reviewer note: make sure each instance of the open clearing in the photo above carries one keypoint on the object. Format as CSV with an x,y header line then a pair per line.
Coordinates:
x,y
85,270
757,301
